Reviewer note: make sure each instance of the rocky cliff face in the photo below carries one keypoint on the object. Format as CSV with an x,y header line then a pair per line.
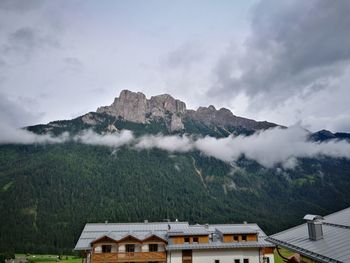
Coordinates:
x,y
135,107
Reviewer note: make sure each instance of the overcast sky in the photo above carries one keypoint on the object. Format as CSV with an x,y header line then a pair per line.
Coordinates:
x,y
281,61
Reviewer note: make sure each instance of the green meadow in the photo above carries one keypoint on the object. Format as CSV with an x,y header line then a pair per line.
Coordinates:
x,y
49,258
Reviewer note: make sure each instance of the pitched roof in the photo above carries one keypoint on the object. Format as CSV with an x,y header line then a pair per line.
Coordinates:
x,y
163,230
333,247
236,230
190,230
118,231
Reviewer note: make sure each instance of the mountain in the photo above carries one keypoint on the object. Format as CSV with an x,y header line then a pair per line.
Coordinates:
x,y
160,113
135,107
49,191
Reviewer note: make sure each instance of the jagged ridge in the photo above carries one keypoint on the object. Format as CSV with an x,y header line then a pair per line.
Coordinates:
x,y
135,107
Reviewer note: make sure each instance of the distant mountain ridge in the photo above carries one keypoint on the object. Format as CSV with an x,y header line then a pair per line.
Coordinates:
x,y
135,107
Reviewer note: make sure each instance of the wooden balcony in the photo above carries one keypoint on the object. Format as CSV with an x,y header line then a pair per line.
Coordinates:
x,y
128,257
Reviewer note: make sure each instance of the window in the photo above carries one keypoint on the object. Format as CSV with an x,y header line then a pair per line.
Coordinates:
x,y
187,240
244,237
130,248
195,240
106,248
246,260
217,261
266,259
153,247
235,238
237,261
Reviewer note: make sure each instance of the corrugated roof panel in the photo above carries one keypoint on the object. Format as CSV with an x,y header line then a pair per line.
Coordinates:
x,y
126,227
335,244
236,230
141,231
190,230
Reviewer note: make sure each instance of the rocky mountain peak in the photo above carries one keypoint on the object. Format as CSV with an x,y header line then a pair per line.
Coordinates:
x,y
135,107
168,103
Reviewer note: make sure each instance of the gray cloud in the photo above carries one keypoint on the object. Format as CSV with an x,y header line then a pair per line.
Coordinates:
x,y
72,65
74,62
11,135
269,148
22,44
184,56
19,5
295,51
31,38
13,113
295,48
114,140
167,143
272,147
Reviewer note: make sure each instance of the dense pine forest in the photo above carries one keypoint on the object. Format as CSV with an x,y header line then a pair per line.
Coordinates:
x,y
49,191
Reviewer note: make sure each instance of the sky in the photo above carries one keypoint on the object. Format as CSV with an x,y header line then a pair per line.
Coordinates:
x,y
287,62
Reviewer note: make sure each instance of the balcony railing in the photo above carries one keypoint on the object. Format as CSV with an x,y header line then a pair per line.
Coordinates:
x,y
128,256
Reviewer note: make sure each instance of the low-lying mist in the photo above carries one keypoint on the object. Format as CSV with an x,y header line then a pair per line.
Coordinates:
x,y
269,148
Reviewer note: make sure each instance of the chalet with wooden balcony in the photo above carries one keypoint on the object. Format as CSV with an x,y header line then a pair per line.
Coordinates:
x,y
174,242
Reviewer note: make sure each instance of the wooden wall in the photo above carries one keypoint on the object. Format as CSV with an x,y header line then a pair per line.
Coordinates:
x,y
181,239
230,238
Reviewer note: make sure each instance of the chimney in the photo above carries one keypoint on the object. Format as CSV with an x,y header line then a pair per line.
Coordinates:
x,y
106,222
206,226
145,221
314,226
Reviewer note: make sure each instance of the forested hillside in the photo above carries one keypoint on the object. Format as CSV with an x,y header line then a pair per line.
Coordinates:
x,y
49,191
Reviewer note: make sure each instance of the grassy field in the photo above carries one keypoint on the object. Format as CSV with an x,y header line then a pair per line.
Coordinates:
x,y
75,259
49,258
284,252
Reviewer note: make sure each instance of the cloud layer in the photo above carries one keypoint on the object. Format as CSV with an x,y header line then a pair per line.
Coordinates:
x,y
283,61
289,50
269,148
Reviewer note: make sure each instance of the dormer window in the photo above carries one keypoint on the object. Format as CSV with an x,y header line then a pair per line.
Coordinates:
x,y
130,248
106,248
153,247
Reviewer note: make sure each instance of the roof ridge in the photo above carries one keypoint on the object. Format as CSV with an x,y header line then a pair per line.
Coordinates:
x,y
304,224
335,225
136,223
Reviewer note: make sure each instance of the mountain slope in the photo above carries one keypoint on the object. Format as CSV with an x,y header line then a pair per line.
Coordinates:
x,y
49,191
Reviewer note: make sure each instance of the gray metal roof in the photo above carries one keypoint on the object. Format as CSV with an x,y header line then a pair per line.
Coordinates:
x,y
190,230
93,231
334,247
236,230
141,231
